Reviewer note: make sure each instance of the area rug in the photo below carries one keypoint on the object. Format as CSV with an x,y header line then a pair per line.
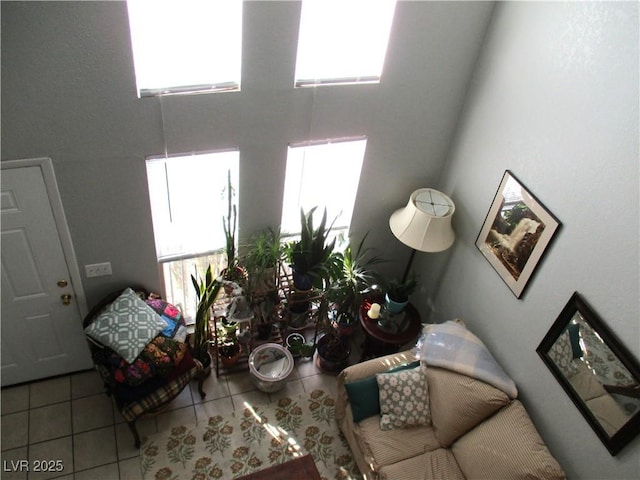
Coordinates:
x,y
245,441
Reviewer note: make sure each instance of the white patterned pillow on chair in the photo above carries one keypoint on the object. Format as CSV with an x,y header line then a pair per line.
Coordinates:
x,y
404,399
127,325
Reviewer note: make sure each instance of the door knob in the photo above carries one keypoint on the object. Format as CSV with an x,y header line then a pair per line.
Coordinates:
x,y
66,299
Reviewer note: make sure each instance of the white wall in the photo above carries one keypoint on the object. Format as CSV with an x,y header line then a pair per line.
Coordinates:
x,y
68,92
555,100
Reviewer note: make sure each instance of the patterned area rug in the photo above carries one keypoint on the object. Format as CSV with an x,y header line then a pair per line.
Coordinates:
x,y
253,439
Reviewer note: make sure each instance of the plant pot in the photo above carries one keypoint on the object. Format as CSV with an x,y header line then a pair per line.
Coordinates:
x,y
294,343
206,361
345,326
236,274
394,306
332,357
229,327
267,280
302,281
230,356
264,330
299,314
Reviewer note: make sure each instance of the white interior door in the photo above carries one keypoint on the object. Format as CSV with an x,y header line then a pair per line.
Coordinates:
x,y
41,322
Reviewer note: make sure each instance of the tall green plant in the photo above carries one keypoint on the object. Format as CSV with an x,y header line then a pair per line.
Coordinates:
x,y
229,225
261,260
353,278
312,255
207,290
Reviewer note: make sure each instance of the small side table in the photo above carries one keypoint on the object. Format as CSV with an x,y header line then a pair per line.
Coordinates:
x,y
379,341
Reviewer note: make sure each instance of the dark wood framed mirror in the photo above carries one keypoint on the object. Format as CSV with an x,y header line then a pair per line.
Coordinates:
x,y
597,372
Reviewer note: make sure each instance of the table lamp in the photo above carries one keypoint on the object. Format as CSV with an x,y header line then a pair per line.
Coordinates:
x,y
424,224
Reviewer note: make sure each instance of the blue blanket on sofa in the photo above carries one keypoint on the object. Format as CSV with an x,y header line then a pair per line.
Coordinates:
x,y
450,345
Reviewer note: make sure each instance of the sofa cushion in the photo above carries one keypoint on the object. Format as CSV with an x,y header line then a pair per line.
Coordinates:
x,y
364,394
506,446
385,447
404,399
436,465
126,326
459,403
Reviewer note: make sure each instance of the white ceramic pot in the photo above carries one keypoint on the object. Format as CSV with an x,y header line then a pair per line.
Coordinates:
x,y
269,365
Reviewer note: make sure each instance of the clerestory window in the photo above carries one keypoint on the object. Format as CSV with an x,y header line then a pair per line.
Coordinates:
x,y
342,41
186,46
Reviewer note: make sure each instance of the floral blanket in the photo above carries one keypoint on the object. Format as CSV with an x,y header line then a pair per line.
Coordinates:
x,y
252,439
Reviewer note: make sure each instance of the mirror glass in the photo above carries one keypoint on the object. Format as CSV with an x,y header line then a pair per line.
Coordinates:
x,y
600,376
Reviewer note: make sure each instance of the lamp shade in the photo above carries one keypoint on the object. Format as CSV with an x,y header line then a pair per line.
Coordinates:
x,y
425,223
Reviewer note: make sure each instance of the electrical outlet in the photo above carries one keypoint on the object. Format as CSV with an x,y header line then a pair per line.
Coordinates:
x,y
98,269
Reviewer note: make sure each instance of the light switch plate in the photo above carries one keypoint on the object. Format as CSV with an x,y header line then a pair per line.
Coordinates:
x,y
98,269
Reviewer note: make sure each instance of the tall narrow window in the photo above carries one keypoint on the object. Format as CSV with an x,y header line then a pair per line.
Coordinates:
x,y
325,175
188,202
186,46
342,41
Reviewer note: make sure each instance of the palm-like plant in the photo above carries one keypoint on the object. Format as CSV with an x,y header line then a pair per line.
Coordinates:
x,y
207,290
261,261
353,279
312,256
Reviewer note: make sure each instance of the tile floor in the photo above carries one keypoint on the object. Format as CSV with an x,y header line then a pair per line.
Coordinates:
x,y
70,419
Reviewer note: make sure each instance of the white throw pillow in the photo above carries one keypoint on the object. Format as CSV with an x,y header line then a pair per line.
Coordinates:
x,y
404,399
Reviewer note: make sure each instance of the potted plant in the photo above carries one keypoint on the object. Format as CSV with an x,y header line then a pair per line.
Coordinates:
x,y
264,308
207,291
332,347
397,293
294,342
229,348
298,308
311,257
350,282
233,272
261,260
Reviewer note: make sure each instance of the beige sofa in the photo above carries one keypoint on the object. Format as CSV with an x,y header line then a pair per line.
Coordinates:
x,y
476,431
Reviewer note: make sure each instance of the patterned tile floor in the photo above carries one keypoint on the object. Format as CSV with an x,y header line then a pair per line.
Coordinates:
x,y
70,420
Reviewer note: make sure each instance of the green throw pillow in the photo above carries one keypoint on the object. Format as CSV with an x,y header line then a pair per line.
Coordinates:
x,y
364,395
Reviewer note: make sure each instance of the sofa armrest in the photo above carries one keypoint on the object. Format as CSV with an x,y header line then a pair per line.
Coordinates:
x,y
364,370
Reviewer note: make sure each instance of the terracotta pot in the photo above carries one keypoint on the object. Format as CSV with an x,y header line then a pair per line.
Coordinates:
x,y
334,358
231,361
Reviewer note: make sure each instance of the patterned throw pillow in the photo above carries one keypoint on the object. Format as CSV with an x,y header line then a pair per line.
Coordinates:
x,y
127,325
562,355
404,399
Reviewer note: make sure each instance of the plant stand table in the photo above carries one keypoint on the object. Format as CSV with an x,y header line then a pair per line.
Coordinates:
x,y
384,336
